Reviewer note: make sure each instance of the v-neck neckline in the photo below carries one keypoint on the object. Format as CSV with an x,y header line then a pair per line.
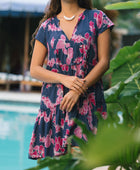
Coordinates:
x,y
79,18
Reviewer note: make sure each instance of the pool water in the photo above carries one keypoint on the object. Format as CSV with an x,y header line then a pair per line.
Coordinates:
x,y
16,126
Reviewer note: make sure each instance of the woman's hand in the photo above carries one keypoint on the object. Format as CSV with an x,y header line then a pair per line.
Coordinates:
x,y
69,100
74,83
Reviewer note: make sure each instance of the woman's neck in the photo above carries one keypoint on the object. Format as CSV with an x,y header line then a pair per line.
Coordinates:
x,y
69,7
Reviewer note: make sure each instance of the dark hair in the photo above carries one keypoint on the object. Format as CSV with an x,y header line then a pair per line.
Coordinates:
x,y
54,8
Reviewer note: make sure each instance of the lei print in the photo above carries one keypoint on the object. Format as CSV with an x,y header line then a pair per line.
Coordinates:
x,y
74,57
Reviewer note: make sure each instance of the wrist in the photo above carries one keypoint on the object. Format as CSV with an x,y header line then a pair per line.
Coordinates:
x,y
76,92
60,78
86,83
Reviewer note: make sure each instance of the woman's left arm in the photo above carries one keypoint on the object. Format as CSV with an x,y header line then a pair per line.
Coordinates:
x,y
103,59
71,98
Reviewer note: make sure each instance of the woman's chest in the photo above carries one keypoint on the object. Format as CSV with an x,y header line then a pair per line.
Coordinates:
x,y
72,34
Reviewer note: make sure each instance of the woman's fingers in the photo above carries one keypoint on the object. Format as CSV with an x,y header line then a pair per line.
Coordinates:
x,y
64,103
77,89
79,85
69,106
69,101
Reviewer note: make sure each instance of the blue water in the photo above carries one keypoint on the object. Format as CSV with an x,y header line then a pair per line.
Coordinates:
x,y
16,128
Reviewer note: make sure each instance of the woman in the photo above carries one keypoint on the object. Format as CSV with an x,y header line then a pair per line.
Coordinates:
x,y
76,39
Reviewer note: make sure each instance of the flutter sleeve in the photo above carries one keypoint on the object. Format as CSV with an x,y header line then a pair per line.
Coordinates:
x,y
41,34
102,21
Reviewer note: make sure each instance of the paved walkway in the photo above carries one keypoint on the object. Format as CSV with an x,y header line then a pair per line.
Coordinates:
x,y
21,97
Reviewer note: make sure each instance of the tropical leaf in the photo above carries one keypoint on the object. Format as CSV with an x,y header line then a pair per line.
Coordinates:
x,y
112,95
126,54
125,71
124,5
61,163
130,102
136,115
107,147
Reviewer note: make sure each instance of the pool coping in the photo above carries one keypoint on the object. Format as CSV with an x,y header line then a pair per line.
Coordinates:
x,y
28,97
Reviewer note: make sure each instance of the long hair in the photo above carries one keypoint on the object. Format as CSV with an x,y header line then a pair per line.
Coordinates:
x,y
54,9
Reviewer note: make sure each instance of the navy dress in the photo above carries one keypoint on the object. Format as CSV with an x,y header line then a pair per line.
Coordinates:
x,y
74,57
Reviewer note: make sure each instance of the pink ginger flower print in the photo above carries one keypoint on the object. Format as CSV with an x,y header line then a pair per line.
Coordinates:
x,y
47,118
35,155
91,26
61,44
62,122
56,51
90,119
53,27
87,35
70,55
37,151
99,19
79,71
51,62
65,142
63,37
78,60
92,98
52,42
81,50
58,143
83,17
78,38
94,62
47,102
46,140
44,24
71,122
48,85
85,107
104,114
65,67
54,70
57,128
32,142
59,96
67,131
78,132
40,149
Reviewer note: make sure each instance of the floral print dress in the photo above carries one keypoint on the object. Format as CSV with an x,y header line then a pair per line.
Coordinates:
x,y
74,57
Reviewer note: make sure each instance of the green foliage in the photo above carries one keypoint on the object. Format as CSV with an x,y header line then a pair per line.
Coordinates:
x,y
124,95
124,56
124,5
126,64
112,95
99,4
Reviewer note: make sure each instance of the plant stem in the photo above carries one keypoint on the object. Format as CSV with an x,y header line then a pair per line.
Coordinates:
x,y
136,81
127,116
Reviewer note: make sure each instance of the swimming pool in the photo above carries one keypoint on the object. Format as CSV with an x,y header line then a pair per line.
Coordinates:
x,y
16,125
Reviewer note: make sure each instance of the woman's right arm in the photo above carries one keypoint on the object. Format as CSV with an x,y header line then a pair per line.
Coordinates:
x,y
36,68
38,72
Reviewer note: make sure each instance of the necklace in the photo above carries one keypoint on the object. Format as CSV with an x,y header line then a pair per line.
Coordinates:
x,y
69,19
